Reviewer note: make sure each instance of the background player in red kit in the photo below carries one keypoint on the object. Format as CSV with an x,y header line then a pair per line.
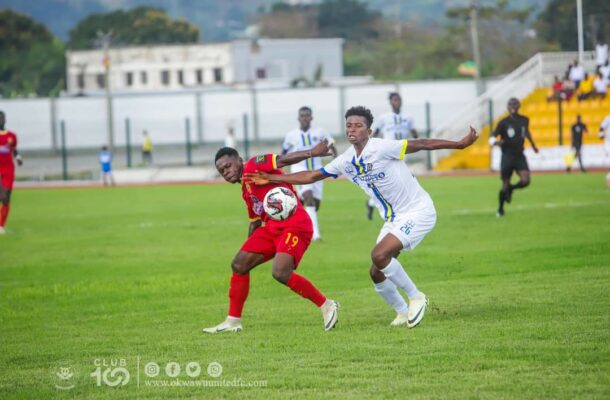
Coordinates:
x,y
8,150
283,241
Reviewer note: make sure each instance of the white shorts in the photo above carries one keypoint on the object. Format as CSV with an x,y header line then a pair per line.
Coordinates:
x,y
410,228
315,187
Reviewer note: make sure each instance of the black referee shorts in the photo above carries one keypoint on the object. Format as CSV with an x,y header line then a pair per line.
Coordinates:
x,y
512,162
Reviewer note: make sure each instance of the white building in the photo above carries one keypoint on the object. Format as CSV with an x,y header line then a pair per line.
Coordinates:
x,y
175,67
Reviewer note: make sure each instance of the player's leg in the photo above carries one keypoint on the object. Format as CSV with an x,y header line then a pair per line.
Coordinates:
x,y
6,186
404,233
389,293
309,203
505,194
370,208
579,156
290,247
258,249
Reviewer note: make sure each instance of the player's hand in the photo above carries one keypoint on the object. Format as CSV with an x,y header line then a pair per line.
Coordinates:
x,y
259,178
469,139
321,149
535,149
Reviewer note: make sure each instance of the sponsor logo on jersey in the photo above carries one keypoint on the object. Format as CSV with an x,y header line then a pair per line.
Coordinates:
x,y
260,159
257,205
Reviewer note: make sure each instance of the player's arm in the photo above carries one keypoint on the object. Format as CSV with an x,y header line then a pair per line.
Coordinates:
x,y
529,137
254,225
333,150
16,154
319,150
298,178
416,145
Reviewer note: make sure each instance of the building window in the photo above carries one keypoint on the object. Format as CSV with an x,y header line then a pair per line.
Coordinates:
x,y
199,76
144,77
165,77
181,77
129,78
217,75
80,80
261,73
101,81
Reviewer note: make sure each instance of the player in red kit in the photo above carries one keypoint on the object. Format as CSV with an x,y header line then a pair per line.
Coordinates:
x,y
284,242
8,150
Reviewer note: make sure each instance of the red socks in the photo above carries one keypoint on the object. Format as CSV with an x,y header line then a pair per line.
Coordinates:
x,y
3,213
238,293
299,284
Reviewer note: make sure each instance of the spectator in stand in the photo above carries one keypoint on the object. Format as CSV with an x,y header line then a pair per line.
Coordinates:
x,y
556,90
586,88
605,70
601,53
568,89
577,74
600,86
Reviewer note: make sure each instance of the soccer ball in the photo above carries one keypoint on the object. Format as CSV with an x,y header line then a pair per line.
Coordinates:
x,y
280,203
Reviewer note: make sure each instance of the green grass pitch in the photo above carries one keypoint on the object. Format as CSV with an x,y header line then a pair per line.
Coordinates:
x,y
123,277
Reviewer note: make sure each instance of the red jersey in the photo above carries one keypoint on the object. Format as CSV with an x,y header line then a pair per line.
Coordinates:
x,y
8,144
254,195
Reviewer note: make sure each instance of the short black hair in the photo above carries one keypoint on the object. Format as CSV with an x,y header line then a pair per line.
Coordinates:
x,y
305,108
392,94
226,151
361,111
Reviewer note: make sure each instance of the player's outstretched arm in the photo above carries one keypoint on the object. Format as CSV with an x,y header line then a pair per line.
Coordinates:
x,y
298,178
320,150
416,145
529,137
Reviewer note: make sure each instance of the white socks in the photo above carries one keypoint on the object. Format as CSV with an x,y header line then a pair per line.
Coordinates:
x,y
314,220
396,273
371,202
388,291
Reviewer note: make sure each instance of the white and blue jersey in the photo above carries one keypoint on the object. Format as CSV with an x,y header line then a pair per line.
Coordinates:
x,y
105,157
381,173
297,140
394,126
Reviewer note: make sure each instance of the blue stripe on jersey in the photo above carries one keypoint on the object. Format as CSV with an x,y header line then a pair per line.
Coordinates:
x,y
306,140
387,207
326,173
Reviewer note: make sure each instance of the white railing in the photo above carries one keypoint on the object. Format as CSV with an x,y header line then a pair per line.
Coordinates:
x,y
536,72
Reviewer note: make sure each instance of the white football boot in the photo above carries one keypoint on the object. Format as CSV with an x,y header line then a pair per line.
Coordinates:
x,y
2,230
228,325
330,313
417,308
401,319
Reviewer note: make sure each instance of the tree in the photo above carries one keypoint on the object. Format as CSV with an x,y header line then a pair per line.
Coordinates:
x,y
557,23
139,26
349,19
32,61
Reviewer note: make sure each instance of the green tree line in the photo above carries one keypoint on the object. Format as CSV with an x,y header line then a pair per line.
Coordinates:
x,y
33,61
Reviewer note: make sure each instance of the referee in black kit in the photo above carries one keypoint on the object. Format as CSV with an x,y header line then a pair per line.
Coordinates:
x,y
513,130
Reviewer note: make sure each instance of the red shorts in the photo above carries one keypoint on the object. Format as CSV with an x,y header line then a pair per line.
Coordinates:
x,y
7,177
268,242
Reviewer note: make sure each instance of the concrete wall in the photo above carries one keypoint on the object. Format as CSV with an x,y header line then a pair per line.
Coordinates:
x,y
37,121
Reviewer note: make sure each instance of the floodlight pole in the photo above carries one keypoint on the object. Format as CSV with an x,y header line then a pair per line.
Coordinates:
x,y
580,31
474,35
105,39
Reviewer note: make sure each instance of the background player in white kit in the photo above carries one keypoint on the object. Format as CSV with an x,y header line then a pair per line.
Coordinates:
x,y
604,132
305,138
377,166
393,125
